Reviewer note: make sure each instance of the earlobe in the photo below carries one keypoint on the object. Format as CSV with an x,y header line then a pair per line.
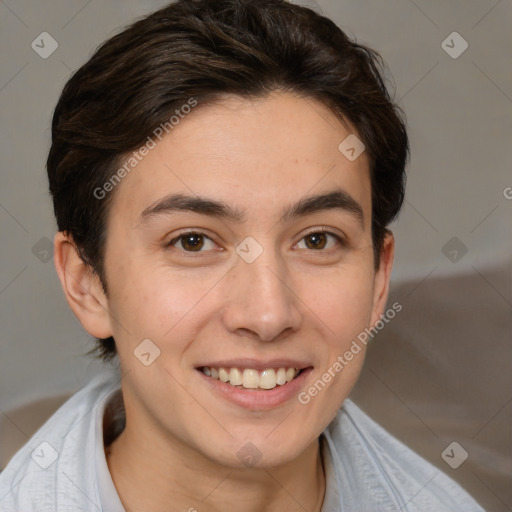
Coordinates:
x,y
82,288
382,277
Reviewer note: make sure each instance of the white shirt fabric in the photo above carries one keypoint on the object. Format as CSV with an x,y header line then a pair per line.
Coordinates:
x,y
62,468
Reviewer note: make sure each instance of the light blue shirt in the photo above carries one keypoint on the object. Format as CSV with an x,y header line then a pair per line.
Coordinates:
x,y
62,468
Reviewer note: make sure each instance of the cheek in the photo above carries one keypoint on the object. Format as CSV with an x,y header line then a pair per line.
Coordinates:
x,y
343,307
158,303
344,304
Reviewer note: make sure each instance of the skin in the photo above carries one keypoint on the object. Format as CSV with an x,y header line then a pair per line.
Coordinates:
x,y
295,300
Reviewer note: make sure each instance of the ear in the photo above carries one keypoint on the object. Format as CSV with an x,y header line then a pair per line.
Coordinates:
x,y
82,288
382,277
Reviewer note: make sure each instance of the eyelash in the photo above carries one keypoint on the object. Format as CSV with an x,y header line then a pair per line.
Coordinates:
x,y
341,241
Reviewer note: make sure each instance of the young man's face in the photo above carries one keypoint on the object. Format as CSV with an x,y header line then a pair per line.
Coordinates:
x,y
212,300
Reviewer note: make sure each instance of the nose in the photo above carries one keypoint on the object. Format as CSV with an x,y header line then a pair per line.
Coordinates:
x,y
261,300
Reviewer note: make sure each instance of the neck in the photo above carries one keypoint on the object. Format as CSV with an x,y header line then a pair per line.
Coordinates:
x,y
149,473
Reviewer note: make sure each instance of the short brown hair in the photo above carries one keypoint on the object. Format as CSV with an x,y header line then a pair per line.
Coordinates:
x,y
204,49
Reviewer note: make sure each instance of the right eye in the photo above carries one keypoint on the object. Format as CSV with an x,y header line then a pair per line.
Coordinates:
x,y
191,241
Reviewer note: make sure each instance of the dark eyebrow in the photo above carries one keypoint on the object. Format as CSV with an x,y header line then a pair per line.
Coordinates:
x,y
201,205
337,199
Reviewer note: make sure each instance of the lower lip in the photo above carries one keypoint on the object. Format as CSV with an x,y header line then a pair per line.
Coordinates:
x,y
255,399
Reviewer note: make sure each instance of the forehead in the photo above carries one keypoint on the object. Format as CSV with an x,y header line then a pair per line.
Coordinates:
x,y
254,154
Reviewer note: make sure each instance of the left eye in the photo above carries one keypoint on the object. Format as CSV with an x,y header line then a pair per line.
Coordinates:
x,y
318,240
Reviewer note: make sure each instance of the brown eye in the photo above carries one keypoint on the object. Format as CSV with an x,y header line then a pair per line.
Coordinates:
x,y
316,240
319,240
191,242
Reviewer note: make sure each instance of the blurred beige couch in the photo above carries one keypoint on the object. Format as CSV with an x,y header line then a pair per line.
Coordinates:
x,y
439,372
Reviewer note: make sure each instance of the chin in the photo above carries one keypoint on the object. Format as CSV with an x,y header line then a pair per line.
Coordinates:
x,y
260,449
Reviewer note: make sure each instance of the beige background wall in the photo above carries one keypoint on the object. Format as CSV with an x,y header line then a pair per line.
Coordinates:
x,y
460,122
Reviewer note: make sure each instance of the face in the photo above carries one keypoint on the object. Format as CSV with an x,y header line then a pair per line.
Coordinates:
x,y
265,262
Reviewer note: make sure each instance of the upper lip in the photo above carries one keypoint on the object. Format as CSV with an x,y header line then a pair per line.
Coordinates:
x,y
257,364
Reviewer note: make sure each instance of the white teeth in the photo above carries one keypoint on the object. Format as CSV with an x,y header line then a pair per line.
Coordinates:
x,y
281,376
268,379
235,377
252,379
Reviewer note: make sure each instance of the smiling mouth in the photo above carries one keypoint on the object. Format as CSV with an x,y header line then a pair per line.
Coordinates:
x,y
248,378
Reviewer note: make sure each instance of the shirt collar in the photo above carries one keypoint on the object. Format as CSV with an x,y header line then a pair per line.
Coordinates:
x,y
109,499
332,499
